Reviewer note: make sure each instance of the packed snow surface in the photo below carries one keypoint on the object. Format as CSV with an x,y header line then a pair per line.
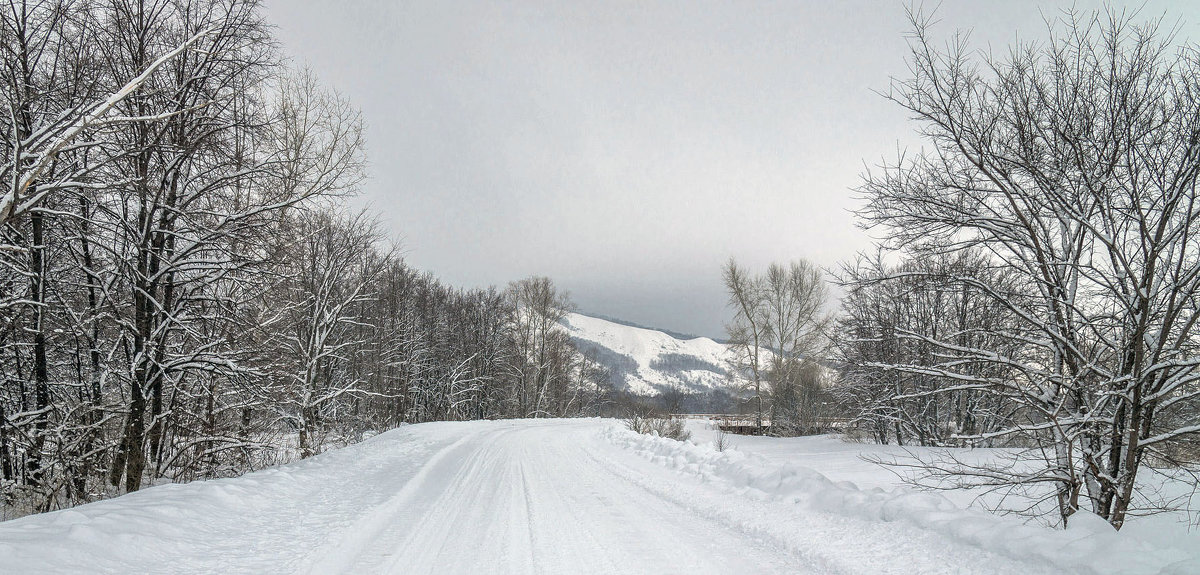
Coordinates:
x,y
648,361
554,496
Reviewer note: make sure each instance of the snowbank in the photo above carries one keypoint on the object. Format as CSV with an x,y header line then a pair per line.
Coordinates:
x,y
1089,545
262,522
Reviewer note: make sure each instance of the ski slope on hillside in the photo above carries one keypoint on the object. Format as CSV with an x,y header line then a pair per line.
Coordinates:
x,y
544,496
648,361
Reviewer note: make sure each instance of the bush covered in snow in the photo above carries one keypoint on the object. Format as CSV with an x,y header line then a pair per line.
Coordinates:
x,y
668,427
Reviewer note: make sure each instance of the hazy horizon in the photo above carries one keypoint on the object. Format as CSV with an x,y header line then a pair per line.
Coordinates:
x,y
628,150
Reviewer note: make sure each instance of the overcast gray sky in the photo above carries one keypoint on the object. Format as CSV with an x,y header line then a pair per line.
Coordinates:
x,y
627,149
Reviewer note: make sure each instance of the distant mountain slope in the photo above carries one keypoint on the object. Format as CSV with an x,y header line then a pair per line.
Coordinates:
x,y
647,361
674,334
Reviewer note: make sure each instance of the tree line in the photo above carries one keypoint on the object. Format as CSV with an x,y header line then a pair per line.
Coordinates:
x,y
181,295
1038,283
779,337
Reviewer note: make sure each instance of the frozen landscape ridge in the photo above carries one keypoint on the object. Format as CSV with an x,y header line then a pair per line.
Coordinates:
x,y
647,361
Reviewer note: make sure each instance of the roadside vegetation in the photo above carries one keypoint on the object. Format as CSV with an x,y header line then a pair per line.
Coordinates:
x,y
658,425
182,294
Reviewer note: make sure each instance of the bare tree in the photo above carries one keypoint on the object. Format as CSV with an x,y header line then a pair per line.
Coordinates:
x,y
779,336
890,316
43,128
182,297
1076,162
748,331
797,301
335,266
538,307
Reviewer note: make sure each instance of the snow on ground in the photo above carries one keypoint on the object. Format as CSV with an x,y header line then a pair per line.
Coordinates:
x,y
559,496
648,359
1172,537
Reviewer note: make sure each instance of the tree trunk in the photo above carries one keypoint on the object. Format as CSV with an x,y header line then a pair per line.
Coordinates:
x,y
41,375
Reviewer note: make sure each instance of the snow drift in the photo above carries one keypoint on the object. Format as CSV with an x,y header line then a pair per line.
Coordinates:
x,y
1089,545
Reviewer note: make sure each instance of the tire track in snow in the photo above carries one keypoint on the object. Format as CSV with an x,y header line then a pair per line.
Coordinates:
x,y
421,533
528,499
337,557
819,537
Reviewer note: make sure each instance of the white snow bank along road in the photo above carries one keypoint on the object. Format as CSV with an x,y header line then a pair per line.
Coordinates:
x,y
1090,545
536,496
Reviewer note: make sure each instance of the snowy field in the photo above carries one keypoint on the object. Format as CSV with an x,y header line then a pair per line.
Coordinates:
x,y
843,460
570,496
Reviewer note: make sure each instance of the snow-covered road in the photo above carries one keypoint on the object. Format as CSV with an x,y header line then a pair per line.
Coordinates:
x,y
534,496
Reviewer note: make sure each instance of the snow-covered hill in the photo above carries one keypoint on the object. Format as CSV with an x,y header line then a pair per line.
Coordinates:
x,y
647,361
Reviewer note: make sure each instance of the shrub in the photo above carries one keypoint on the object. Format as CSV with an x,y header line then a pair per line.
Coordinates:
x,y
669,427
